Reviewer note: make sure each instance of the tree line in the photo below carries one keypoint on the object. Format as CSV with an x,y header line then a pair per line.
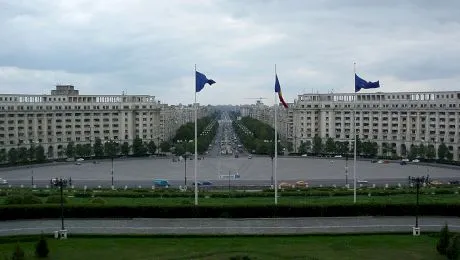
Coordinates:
x,y
256,136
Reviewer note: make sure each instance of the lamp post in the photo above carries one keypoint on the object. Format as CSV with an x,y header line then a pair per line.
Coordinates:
x,y
346,169
417,181
185,159
61,183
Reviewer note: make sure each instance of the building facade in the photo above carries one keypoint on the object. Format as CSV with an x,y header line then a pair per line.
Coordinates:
x,y
398,119
66,116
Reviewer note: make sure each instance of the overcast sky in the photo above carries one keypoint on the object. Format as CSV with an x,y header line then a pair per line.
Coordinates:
x,y
150,47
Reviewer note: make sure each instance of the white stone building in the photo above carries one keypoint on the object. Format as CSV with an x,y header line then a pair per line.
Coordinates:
x,y
399,119
66,116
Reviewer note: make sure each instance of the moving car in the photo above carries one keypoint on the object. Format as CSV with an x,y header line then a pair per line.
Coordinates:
x,y
249,156
202,183
3,181
161,183
362,182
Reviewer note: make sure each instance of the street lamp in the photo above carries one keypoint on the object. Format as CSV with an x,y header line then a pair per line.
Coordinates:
x,y
185,159
61,183
417,181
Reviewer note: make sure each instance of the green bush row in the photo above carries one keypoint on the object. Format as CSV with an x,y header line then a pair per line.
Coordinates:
x,y
290,193
189,211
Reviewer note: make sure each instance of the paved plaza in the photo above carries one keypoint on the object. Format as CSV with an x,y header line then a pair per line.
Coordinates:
x,y
255,170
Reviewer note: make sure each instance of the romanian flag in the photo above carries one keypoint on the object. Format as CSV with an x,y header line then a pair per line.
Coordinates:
x,y
278,90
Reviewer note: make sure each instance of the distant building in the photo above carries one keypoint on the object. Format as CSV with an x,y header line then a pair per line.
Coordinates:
x,y
66,116
398,119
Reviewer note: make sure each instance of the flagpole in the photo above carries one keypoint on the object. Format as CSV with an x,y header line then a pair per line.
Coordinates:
x,y
196,158
276,150
354,134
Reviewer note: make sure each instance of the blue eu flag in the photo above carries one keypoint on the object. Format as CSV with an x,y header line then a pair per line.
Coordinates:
x,y
201,80
361,83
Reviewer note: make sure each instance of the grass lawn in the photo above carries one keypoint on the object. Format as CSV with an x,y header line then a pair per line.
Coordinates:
x,y
318,200
288,200
372,247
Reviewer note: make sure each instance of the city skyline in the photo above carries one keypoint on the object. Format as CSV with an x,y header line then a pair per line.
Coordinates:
x,y
142,47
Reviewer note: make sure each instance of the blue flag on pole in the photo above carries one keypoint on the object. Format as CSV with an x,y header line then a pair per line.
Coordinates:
x,y
361,83
201,80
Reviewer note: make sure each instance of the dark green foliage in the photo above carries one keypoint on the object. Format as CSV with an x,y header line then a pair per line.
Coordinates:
x,y
98,148
453,250
41,248
443,241
125,148
139,148
18,253
238,257
22,199
70,150
55,199
234,211
98,201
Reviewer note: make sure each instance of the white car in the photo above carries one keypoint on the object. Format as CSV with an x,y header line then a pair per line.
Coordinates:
x,y
416,160
405,160
80,160
362,182
338,156
3,181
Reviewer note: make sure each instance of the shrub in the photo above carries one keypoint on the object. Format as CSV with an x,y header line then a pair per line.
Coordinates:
x,y
25,199
443,241
13,199
98,201
31,199
41,248
18,253
453,250
55,199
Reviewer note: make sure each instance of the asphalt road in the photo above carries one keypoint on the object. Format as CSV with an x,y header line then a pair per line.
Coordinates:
x,y
213,226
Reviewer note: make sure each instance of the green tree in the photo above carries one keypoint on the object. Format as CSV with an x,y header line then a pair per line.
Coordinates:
x,y
413,152
385,149
23,154
138,147
98,148
453,250
303,149
125,148
32,152
151,147
79,150
342,147
330,146
165,146
449,156
317,144
430,152
421,151
18,253
443,241
41,248
442,151
70,150
403,150
40,154
111,149
3,155
87,150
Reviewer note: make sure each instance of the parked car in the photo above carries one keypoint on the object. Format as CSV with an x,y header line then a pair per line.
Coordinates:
x,y
3,181
338,156
80,160
454,182
362,182
403,163
405,160
202,183
285,185
161,183
416,160
249,156
301,184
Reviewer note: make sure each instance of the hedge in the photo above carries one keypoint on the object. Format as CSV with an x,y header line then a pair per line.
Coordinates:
x,y
189,211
